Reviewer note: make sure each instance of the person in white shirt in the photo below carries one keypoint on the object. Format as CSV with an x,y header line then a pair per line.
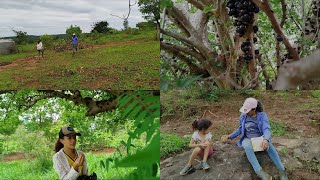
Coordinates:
x,y
40,48
202,143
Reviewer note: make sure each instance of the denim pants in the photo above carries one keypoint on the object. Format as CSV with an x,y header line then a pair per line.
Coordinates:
x,y
272,152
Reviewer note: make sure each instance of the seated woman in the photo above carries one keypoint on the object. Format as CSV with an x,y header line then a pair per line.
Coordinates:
x,y
254,123
68,162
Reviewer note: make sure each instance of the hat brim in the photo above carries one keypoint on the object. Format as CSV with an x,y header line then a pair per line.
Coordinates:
x,y
244,110
73,134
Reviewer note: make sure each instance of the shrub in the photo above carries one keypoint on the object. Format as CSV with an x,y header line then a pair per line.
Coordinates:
x,y
171,143
35,145
146,25
47,41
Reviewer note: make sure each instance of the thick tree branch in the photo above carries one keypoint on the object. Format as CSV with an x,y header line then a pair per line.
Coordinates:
x,y
183,49
195,69
293,74
267,9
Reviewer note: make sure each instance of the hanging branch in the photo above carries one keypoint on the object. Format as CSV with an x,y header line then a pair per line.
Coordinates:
x,y
265,6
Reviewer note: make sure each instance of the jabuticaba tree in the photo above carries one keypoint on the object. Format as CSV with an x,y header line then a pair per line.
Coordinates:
x,y
220,40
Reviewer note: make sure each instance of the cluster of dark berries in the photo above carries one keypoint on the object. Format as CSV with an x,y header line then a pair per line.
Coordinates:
x,y
243,12
246,48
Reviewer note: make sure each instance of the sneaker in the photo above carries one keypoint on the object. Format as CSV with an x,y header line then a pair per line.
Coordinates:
x,y
186,170
264,176
205,165
283,175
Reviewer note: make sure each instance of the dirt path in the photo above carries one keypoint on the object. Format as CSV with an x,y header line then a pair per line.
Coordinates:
x,y
13,157
20,156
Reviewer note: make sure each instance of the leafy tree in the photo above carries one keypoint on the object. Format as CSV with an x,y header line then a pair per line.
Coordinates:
x,y
47,40
101,27
151,10
73,29
249,47
21,36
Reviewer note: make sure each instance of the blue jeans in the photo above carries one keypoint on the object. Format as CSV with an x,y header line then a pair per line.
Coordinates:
x,y
272,152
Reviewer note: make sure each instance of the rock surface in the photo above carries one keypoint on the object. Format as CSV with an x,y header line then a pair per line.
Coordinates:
x,y
230,161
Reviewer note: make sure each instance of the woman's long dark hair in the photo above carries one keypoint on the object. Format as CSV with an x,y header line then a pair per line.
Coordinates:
x,y
259,107
59,145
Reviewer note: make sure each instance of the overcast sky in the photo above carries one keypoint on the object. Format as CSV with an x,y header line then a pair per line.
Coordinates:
x,y
38,17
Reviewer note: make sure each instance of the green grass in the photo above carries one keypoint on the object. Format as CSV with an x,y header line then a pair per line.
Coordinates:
x,y
315,94
24,169
122,66
278,128
171,143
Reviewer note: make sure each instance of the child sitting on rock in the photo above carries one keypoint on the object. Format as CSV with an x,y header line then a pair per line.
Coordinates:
x,y
202,144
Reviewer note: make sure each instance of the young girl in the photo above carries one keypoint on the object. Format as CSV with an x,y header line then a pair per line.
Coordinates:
x,y
40,48
202,144
68,162
254,123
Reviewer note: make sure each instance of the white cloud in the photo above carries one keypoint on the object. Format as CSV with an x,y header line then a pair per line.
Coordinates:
x,y
38,17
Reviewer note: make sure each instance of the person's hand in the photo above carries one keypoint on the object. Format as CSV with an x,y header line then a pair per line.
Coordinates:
x,y
79,162
265,144
203,145
224,138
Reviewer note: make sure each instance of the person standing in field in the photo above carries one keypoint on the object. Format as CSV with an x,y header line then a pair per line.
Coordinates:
x,y
74,43
40,48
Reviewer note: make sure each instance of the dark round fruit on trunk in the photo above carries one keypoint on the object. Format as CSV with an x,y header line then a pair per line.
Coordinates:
x,y
255,29
256,51
256,9
255,39
246,57
279,38
161,39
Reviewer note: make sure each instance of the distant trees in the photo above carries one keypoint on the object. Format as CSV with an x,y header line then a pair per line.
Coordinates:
x,y
101,27
73,29
21,36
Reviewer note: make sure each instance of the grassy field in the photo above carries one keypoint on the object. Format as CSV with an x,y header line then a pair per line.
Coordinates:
x,y
24,169
120,61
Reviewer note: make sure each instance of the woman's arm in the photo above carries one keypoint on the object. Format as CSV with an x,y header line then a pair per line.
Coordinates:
x,y
238,131
266,127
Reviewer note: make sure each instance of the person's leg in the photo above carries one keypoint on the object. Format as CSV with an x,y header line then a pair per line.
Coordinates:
x,y
42,53
274,156
194,154
246,144
39,54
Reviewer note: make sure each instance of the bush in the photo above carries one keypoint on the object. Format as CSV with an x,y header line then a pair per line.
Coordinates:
x,y
146,25
35,145
171,143
47,41
315,93
132,31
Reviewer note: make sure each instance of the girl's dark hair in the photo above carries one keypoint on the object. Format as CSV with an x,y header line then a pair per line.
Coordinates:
x,y
259,107
59,145
39,41
201,124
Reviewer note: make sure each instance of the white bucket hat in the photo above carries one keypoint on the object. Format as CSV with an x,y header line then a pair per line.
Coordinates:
x,y
249,103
